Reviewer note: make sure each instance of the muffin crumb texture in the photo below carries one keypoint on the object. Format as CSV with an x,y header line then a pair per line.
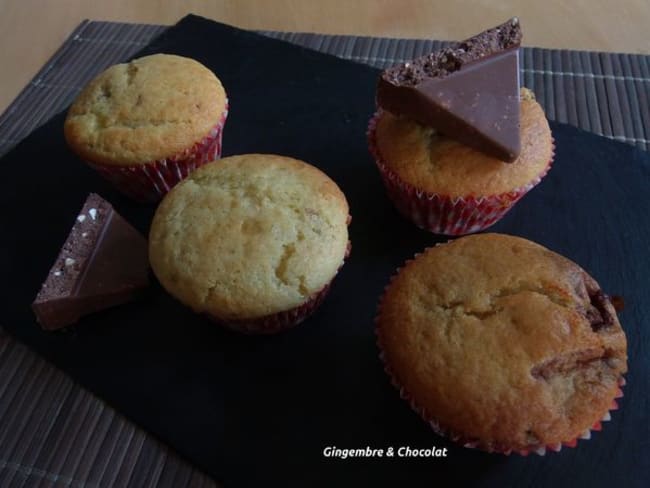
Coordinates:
x,y
503,342
249,236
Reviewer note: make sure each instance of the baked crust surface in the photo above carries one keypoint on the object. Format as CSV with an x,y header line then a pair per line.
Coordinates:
x,y
503,341
249,236
437,164
149,109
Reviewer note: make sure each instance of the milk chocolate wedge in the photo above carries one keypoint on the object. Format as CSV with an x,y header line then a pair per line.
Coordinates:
x,y
468,91
103,263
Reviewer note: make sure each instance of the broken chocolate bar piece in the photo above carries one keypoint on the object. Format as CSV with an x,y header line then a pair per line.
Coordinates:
x,y
103,263
468,92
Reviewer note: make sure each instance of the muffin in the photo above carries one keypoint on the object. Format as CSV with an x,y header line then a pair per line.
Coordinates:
x,y
502,344
449,188
252,241
145,125
457,142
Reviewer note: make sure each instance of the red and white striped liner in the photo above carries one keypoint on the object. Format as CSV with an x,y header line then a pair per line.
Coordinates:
x,y
439,213
460,438
278,322
149,182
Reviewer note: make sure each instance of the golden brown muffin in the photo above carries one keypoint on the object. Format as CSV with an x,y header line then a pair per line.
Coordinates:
x,y
437,164
502,342
249,236
148,109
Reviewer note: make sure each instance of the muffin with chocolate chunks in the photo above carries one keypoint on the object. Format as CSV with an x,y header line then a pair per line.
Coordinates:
x,y
502,344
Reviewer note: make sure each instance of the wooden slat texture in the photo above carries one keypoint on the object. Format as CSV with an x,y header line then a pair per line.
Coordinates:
x,y
53,433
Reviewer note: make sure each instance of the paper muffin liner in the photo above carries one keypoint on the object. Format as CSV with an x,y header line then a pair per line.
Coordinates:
x,y
278,322
149,182
440,213
458,437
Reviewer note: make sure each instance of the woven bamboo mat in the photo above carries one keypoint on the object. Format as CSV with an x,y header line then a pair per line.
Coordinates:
x,y
55,434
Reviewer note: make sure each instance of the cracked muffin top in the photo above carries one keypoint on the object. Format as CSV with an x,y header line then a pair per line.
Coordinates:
x,y
149,109
249,236
502,342
438,164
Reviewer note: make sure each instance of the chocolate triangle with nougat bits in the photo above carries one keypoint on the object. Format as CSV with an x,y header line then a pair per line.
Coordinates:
x,y
103,263
468,91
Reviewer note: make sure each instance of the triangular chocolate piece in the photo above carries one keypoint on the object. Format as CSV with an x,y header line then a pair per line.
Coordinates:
x,y
468,92
103,263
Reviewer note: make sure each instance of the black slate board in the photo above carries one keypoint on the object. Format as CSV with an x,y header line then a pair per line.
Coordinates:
x,y
254,411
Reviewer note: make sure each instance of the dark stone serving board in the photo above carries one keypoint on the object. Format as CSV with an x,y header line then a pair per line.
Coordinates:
x,y
260,410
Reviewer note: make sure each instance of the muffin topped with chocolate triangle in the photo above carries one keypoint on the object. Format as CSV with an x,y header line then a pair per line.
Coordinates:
x,y
455,137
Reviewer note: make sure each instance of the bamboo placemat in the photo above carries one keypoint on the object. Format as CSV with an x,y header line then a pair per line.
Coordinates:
x,y
54,433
